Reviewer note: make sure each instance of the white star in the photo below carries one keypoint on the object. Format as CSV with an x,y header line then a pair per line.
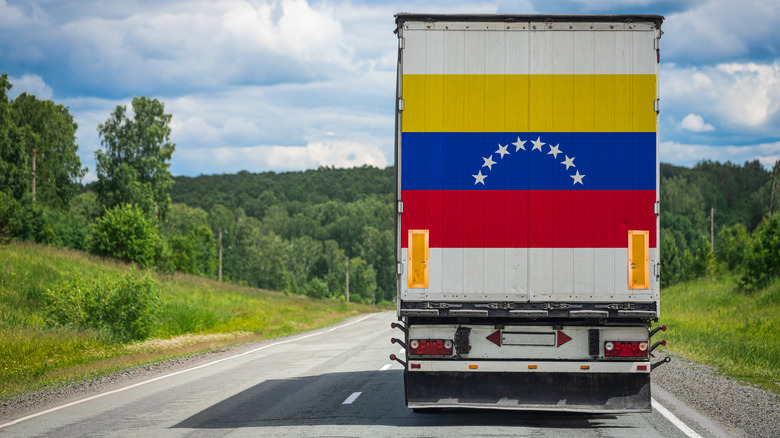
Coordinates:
x,y
538,144
480,178
519,144
502,150
554,151
577,178
568,162
489,162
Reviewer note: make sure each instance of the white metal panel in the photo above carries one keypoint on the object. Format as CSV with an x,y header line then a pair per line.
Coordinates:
x,y
516,273
474,272
624,60
542,48
517,53
585,59
604,51
540,267
534,274
494,267
414,52
455,53
644,54
434,52
452,273
584,272
475,53
528,52
495,52
563,52
563,272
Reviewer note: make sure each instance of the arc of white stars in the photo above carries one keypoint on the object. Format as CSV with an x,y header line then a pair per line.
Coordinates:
x,y
519,144
568,162
489,162
577,178
502,150
479,178
538,144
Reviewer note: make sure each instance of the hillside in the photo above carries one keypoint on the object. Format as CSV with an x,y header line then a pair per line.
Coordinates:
x,y
192,313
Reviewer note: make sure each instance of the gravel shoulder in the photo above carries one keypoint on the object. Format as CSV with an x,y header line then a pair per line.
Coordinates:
x,y
742,409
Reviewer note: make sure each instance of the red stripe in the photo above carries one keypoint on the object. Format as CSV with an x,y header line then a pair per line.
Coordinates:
x,y
528,218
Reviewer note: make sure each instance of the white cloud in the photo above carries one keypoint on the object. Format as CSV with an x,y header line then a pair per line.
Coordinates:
x,y
31,84
735,96
336,153
717,30
690,154
695,123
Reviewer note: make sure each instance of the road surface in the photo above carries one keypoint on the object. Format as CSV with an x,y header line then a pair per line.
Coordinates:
x,y
336,381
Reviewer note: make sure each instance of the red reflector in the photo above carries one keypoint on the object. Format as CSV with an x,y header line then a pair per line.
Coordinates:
x,y
641,367
415,366
625,349
430,347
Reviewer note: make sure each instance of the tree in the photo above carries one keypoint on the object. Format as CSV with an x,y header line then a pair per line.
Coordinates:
x,y
134,168
126,233
14,179
52,153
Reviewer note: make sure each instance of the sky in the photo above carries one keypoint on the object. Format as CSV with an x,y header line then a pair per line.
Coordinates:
x,y
283,85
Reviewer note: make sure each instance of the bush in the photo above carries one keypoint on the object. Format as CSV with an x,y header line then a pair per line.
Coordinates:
x,y
126,233
123,306
762,258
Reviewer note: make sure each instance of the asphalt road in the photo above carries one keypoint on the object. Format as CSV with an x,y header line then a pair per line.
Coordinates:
x,y
332,382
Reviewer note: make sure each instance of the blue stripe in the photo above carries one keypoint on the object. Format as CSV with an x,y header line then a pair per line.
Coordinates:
x,y
448,161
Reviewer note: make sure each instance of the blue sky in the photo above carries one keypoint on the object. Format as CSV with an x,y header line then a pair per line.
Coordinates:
x,y
282,85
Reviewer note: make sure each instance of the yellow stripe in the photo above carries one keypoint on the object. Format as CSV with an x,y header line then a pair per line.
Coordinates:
x,y
529,103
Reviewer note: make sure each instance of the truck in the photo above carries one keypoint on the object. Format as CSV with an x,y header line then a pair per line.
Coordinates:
x,y
527,212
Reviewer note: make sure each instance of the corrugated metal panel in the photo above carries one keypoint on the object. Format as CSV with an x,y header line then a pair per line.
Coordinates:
x,y
586,87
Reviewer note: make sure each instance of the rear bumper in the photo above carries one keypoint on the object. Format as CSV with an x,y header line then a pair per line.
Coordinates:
x,y
567,392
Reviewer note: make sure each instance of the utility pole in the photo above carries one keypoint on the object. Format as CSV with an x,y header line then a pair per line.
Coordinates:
x,y
347,264
712,229
220,253
772,196
35,153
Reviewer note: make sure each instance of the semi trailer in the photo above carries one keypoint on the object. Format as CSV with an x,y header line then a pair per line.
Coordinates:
x,y
527,213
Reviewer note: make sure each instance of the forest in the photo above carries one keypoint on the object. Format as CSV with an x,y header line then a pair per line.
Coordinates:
x,y
309,232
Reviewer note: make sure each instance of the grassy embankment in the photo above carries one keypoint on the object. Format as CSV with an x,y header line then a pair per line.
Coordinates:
x,y
716,323
195,314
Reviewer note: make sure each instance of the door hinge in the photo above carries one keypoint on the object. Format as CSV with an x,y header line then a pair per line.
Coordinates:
x,y
657,106
401,43
400,206
400,104
657,208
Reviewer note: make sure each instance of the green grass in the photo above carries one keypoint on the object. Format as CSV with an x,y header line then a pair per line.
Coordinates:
x,y
715,322
196,314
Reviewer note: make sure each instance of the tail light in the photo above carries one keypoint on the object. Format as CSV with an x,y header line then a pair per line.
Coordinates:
x,y
430,347
625,349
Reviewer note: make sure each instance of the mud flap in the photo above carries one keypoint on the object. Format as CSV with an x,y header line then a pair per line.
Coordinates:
x,y
568,392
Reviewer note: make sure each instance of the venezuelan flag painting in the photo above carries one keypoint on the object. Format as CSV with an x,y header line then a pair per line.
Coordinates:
x,y
530,158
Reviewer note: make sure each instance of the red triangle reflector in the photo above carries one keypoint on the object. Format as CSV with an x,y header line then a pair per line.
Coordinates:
x,y
495,338
562,338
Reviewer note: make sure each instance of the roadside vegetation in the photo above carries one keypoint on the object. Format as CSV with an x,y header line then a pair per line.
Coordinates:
x,y
66,315
715,322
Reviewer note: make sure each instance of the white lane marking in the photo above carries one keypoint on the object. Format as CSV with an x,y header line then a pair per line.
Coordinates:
x,y
351,399
386,366
674,420
48,411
